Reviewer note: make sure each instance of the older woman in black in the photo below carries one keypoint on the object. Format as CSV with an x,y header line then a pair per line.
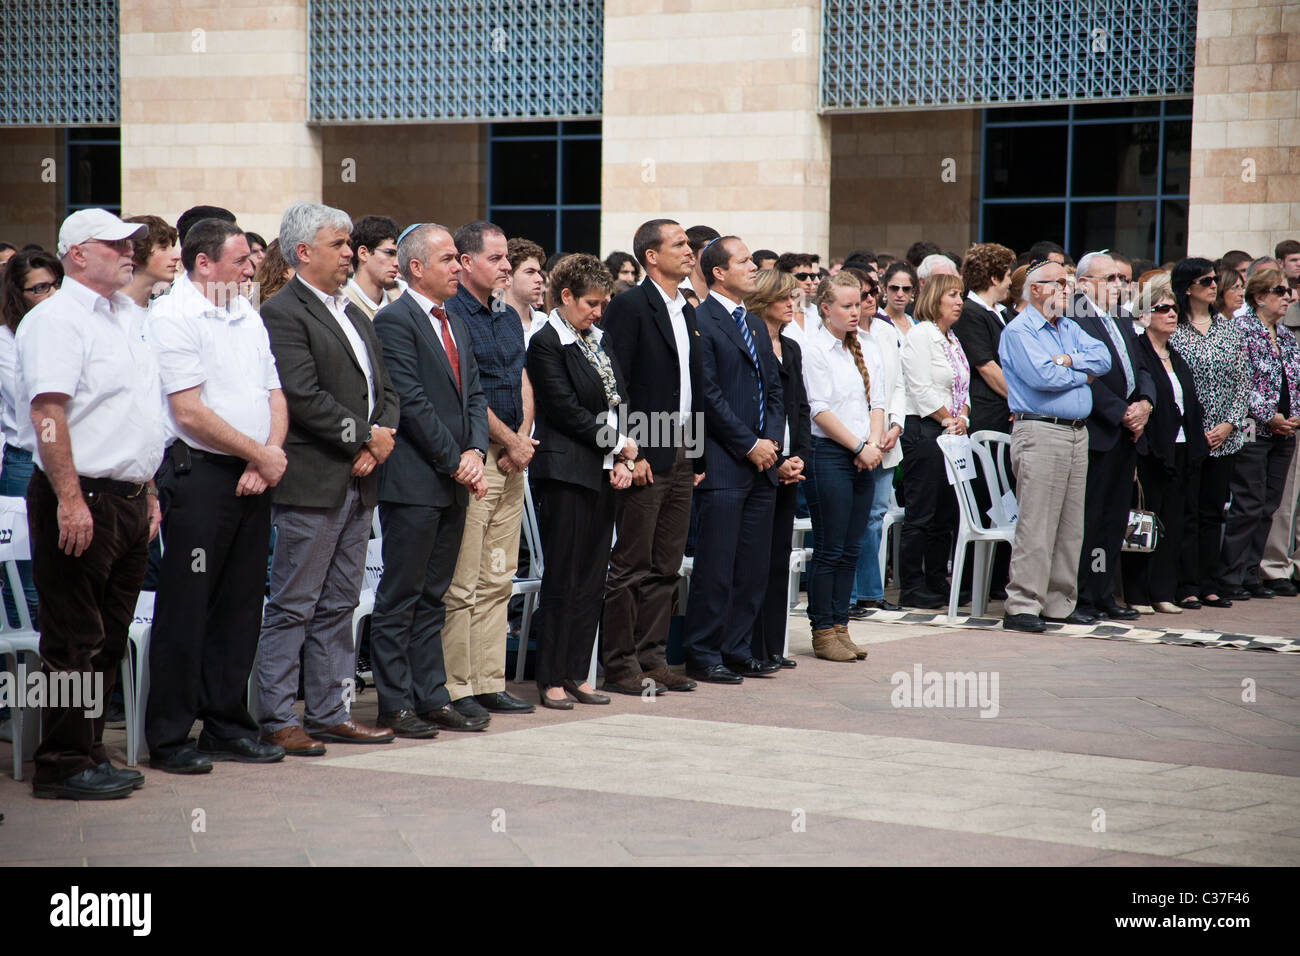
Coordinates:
x,y
1175,447
582,459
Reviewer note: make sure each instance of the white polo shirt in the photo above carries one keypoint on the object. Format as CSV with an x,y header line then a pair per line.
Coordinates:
x,y
92,349
223,349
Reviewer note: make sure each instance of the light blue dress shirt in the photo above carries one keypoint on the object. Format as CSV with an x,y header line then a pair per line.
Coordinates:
x,y
1035,383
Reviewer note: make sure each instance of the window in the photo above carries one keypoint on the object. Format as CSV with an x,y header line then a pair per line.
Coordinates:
x,y
1108,175
93,169
544,183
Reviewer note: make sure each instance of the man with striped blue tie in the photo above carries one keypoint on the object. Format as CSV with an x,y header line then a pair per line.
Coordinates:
x,y
744,421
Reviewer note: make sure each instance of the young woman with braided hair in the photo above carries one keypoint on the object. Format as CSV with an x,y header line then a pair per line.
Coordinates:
x,y
846,398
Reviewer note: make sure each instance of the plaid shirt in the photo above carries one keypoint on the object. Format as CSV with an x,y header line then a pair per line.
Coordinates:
x,y
498,341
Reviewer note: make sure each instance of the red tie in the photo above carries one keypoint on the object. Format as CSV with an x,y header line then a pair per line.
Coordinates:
x,y
452,355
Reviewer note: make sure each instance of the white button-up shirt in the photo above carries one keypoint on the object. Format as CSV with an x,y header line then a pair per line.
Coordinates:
x,y
337,306
677,319
834,384
889,345
427,306
8,386
567,337
92,349
223,349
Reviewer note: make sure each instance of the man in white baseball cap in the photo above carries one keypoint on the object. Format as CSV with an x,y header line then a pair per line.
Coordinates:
x,y
92,387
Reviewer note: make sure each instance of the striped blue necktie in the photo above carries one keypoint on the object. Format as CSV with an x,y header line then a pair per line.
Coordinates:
x,y
739,316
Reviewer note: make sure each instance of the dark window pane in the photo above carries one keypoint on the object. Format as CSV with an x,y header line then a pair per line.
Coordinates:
x,y
535,224
1178,156
95,175
1020,225
581,172
1127,227
582,128
524,129
1118,160
1025,161
1173,231
1022,114
1181,107
523,173
1116,108
580,231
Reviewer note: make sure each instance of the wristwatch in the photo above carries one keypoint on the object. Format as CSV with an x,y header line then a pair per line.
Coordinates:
x,y
1059,360
481,453
861,445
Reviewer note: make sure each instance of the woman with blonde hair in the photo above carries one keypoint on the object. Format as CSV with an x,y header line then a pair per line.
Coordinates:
x,y
846,399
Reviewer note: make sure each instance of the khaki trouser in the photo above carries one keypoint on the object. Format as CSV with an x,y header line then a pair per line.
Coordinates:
x,y
474,636
1281,555
1051,467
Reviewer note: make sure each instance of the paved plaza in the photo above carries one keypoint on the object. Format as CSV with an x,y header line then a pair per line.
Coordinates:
x,y
1095,752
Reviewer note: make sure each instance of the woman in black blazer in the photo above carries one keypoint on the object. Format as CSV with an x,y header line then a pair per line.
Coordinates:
x,y
581,460
1175,447
773,300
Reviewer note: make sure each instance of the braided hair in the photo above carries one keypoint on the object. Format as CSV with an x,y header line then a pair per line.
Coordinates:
x,y
824,297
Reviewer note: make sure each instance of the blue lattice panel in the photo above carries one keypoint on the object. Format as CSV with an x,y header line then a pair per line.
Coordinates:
x,y
59,62
883,54
386,61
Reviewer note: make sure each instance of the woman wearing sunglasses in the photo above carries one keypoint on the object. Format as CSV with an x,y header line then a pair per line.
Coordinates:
x,y
899,287
1260,470
1212,348
1175,447
30,278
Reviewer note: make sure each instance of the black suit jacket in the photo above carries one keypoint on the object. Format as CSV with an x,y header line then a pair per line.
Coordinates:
x,y
439,421
572,424
980,332
1162,427
636,324
729,393
325,390
797,412
1110,396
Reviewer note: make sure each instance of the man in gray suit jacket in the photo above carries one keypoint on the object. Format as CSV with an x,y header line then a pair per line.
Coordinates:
x,y
424,487
342,417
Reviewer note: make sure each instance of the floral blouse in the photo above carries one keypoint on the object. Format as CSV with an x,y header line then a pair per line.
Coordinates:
x,y
1219,369
1266,368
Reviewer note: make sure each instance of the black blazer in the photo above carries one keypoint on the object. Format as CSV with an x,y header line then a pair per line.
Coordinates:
x,y
980,332
729,392
636,323
797,412
325,390
439,422
572,425
1162,426
1109,392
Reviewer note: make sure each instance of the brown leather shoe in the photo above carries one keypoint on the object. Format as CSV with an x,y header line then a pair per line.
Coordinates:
x,y
351,732
295,742
842,632
635,686
671,679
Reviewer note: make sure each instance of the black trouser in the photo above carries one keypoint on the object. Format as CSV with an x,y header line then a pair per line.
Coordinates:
x,y
1207,493
930,516
85,608
208,612
1152,577
769,625
421,545
1105,518
1258,479
576,526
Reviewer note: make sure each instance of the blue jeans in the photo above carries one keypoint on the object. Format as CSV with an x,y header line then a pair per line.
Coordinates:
x,y
839,498
15,474
870,580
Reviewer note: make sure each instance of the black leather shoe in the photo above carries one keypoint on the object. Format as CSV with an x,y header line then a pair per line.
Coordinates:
x,y
1023,622
564,704
753,667
1117,613
1282,587
406,723
470,707
185,760
1075,617
1219,601
857,612
1236,594
92,784
926,600
884,605
503,703
1189,604
717,674
448,717
998,594
1259,591
240,750
581,696
783,661
134,777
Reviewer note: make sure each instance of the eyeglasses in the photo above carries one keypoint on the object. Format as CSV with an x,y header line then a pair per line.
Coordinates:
x,y
1164,308
1207,281
899,288
1061,283
120,246
1280,290
41,288
805,276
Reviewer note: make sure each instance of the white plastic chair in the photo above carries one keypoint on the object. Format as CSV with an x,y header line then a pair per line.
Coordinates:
x,y
374,570
974,528
19,644
891,523
135,675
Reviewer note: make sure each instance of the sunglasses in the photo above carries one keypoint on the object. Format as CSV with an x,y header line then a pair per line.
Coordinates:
x,y
1280,290
1164,308
1061,283
41,288
1113,277
1207,281
868,289
899,288
805,276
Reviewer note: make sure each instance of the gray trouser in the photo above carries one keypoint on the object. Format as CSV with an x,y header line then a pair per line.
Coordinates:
x,y
1282,551
316,577
1051,466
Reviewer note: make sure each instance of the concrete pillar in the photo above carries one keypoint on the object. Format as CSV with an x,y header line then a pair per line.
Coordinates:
x,y
710,117
214,109
1245,176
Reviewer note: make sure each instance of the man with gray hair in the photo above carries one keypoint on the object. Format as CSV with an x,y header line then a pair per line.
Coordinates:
x,y
342,418
935,265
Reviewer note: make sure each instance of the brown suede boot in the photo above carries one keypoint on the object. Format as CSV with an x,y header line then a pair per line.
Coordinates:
x,y
842,632
827,645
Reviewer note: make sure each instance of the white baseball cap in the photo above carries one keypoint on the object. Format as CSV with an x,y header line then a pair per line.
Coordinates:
x,y
85,224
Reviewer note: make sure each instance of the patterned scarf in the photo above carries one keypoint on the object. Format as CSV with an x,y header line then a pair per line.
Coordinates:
x,y
960,373
599,359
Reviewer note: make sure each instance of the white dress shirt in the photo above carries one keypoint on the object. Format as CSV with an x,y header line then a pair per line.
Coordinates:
x,y
834,384
92,349
681,339
336,305
890,347
567,337
223,349
926,370
8,386
999,310
426,306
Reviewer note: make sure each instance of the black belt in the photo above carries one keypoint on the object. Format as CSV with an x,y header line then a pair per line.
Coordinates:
x,y
1030,417
110,486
